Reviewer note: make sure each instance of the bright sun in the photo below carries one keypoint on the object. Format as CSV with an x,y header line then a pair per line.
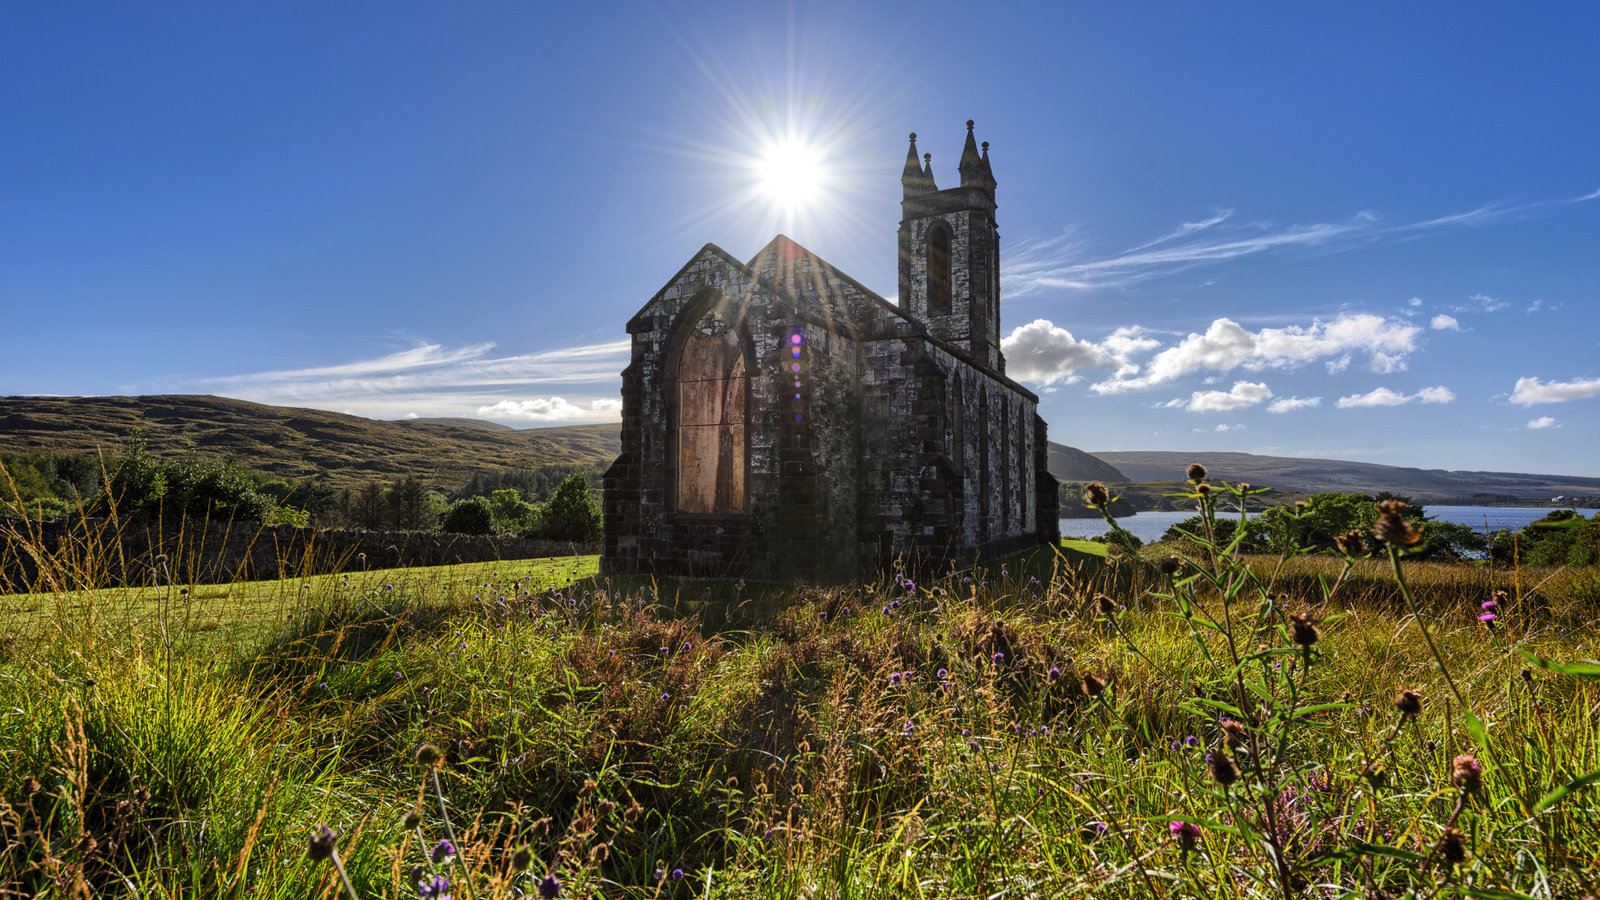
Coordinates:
x,y
791,174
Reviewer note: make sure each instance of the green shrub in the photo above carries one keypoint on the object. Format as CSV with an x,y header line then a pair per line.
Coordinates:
x,y
572,514
473,515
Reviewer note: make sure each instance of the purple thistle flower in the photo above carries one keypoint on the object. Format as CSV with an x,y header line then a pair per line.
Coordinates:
x,y
435,888
1184,833
665,697
687,646
910,586
1490,606
1487,618
1191,741
441,851
998,658
909,727
549,887
677,874
894,678
1055,673
943,674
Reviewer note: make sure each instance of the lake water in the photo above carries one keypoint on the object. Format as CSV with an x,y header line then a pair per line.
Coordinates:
x,y
1150,526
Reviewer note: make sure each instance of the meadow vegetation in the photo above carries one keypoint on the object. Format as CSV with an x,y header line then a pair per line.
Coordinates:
x,y
1207,723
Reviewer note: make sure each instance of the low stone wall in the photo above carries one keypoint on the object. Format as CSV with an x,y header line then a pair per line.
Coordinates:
x,y
96,552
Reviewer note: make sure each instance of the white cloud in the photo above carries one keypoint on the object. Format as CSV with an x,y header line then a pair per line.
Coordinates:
x,y
1544,422
1415,301
1243,393
1042,353
434,381
1229,428
1290,404
1226,345
1442,322
538,409
1531,390
1385,397
606,406
1335,366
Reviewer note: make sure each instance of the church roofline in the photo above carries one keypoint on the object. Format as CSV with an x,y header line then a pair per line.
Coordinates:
x,y
920,327
784,242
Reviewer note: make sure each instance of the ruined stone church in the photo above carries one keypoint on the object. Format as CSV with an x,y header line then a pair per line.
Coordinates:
x,y
781,421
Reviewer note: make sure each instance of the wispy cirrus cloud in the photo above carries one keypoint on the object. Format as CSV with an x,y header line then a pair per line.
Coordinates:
x,y
1068,261
431,380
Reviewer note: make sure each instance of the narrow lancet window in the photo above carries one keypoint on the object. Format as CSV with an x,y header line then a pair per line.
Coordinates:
x,y
939,271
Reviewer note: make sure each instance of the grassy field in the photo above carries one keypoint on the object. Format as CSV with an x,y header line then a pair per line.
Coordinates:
x,y
996,732
204,616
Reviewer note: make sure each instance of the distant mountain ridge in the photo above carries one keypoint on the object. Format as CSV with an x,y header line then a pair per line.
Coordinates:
x,y
348,450
1320,475
288,442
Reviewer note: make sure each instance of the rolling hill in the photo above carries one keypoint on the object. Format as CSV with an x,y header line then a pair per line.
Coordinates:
x,y
1318,475
1072,464
288,442
349,450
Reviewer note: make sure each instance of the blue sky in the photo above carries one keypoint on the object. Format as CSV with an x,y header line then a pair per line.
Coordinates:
x,y
1364,231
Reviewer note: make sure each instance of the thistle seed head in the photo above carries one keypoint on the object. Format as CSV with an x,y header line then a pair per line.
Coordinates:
x,y
1409,703
1236,734
1392,526
1092,686
1195,472
1170,566
1351,543
1105,605
429,754
1303,631
1223,771
1095,494
322,841
1466,773
1452,847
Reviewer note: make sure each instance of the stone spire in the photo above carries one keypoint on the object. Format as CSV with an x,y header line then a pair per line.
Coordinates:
x,y
986,174
914,180
971,163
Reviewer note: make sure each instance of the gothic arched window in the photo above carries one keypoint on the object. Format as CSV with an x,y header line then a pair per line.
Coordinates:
x,y
710,420
939,271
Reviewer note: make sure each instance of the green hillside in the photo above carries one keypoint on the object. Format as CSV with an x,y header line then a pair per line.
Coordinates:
x,y
345,450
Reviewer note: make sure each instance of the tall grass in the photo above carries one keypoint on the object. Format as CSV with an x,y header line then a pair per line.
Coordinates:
x,y
1002,731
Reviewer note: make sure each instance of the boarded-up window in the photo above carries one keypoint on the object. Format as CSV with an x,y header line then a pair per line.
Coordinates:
x,y
939,271
711,398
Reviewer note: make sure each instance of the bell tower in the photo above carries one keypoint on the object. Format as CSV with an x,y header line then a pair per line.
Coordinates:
x,y
950,253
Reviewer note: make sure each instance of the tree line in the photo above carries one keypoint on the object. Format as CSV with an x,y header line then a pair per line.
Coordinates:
x,y
550,502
